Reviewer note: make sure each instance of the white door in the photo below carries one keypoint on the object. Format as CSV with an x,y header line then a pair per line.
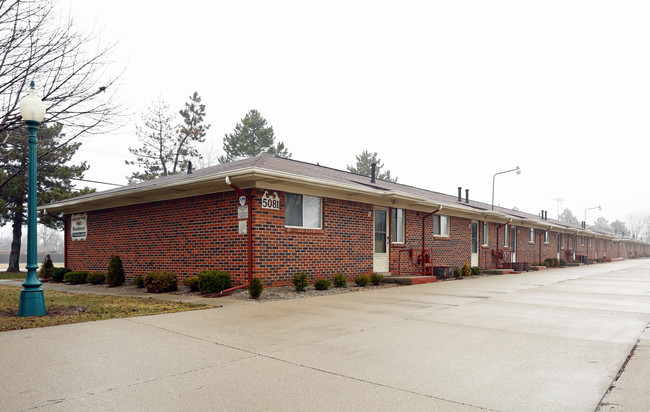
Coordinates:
x,y
474,244
513,243
380,255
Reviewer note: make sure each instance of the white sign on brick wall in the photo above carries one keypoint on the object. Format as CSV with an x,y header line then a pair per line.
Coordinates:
x,y
271,201
79,226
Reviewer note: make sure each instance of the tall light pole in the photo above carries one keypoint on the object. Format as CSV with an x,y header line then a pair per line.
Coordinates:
x,y
32,301
516,169
591,208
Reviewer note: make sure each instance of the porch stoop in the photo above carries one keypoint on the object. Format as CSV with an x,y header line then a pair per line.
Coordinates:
x,y
409,280
499,271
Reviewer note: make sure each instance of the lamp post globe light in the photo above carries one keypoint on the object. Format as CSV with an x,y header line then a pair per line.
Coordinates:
x,y
591,208
516,169
32,301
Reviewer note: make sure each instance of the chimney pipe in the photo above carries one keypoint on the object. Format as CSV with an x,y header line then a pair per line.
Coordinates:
x,y
460,196
546,215
374,169
189,167
466,195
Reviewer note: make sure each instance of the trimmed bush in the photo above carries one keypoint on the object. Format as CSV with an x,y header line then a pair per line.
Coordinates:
x,y
161,281
476,270
376,278
76,278
255,288
362,280
96,277
300,281
457,272
115,272
59,273
46,268
322,284
340,281
139,281
213,281
466,270
192,283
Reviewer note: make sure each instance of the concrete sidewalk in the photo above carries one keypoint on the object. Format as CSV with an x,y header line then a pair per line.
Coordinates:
x,y
552,340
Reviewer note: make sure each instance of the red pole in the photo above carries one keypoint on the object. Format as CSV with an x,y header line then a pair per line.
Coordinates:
x,y
249,200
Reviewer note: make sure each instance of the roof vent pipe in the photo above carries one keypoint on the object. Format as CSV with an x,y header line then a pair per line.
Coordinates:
x,y
466,195
546,215
189,167
374,169
460,197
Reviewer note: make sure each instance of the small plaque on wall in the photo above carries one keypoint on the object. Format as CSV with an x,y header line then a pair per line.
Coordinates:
x,y
243,224
79,226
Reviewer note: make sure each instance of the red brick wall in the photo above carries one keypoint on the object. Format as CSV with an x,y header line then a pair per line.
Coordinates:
x,y
200,233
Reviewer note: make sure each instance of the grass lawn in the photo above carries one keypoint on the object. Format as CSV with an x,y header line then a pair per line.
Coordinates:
x,y
64,308
11,275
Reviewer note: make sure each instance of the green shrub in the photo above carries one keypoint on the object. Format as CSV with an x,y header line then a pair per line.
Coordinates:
x,y
59,273
192,283
340,281
562,262
46,268
213,281
161,281
96,278
466,270
76,278
300,281
457,272
139,281
255,288
322,284
376,278
115,272
362,280
476,270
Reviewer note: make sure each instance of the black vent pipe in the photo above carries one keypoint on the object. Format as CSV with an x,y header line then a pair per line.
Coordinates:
x,y
374,169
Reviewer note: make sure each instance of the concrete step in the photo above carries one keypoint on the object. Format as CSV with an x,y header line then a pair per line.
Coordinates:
x,y
409,280
499,271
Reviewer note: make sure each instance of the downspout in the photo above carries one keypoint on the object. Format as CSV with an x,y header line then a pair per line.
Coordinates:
x,y
499,227
65,236
424,269
249,232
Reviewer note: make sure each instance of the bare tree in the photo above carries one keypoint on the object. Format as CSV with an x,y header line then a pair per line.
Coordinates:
x,y
69,68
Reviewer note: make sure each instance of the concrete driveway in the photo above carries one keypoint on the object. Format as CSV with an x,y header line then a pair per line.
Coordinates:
x,y
537,341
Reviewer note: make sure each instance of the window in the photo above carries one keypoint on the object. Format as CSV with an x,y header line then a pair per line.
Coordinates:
x,y
506,233
486,233
583,240
546,236
440,225
397,226
531,236
302,211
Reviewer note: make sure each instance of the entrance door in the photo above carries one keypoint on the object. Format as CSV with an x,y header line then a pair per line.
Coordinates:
x,y
474,244
380,256
513,243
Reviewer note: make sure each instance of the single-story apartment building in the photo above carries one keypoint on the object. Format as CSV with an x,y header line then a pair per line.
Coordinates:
x,y
271,218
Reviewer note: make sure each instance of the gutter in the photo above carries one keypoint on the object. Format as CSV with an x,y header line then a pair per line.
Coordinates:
x,y
249,233
424,268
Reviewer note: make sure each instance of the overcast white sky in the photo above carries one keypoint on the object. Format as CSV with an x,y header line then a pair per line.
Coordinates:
x,y
447,92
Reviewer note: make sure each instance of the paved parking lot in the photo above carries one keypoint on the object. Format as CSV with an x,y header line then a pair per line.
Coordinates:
x,y
552,340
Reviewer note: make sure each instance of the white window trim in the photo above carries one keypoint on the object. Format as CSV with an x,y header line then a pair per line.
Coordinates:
x,y
506,235
303,213
401,230
531,236
546,237
448,226
486,234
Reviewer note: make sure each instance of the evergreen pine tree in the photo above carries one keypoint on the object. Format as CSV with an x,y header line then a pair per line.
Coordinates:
x,y
252,137
364,166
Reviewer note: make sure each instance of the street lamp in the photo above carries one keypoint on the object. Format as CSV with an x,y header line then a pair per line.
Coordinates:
x,y
591,208
516,169
32,301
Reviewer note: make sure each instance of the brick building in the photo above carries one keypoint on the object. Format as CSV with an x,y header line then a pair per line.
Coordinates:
x,y
271,218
